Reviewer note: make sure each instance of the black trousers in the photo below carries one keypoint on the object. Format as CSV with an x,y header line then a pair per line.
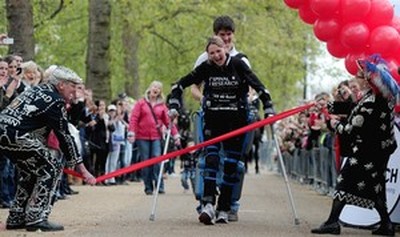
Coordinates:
x,y
39,172
215,124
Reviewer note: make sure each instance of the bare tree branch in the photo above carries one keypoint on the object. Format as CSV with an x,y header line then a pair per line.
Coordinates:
x,y
166,17
166,40
54,14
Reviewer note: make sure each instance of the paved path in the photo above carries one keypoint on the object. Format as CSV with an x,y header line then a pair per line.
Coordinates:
x,y
124,211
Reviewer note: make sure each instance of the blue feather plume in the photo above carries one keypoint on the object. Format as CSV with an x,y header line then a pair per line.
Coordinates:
x,y
380,76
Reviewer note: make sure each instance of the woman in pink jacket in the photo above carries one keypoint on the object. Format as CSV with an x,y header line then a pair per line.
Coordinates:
x,y
147,123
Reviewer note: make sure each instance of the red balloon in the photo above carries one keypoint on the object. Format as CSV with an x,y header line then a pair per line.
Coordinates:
x,y
393,66
355,36
354,10
384,40
307,15
350,62
396,55
396,23
325,8
326,30
381,13
336,49
295,4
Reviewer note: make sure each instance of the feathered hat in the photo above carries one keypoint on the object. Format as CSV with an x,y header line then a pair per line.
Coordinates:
x,y
375,70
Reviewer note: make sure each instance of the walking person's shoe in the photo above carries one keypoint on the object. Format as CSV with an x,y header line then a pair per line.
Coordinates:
x,y
385,230
207,214
70,191
45,226
233,216
222,217
332,228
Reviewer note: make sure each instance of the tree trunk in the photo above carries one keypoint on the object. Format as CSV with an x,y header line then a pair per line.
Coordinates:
x,y
98,56
20,27
130,40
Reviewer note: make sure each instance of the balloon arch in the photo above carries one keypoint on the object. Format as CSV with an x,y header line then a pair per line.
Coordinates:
x,y
353,29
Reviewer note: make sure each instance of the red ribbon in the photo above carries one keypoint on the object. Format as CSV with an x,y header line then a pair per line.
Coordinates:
x,y
73,173
177,153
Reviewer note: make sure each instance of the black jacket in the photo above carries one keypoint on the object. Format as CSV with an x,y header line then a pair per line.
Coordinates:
x,y
225,88
32,115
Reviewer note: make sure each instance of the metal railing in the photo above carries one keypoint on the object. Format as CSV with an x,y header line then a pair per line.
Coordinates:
x,y
314,167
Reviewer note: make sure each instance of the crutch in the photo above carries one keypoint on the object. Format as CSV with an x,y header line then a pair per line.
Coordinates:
x,y
296,219
153,209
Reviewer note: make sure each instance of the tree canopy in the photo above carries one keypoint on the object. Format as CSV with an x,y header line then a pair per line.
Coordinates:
x,y
160,40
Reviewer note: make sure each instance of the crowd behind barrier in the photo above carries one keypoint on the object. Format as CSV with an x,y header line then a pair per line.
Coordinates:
x,y
315,168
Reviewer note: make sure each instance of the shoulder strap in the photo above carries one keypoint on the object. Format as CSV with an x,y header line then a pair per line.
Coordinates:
x,y
241,55
155,119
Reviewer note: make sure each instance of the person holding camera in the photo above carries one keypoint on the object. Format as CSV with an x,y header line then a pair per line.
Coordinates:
x,y
226,84
344,101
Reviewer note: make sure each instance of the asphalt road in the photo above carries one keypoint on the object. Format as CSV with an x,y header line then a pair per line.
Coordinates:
x,y
124,210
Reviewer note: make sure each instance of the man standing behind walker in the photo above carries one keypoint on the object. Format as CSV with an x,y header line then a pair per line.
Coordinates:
x,y
224,27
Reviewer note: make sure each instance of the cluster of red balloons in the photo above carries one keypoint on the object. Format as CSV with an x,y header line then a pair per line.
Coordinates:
x,y
353,29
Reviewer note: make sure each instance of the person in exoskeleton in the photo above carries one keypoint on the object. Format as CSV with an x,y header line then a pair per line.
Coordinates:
x,y
226,83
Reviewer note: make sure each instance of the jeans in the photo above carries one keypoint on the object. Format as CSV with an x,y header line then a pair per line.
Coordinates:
x,y
112,161
137,175
188,175
128,153
7,182
149,149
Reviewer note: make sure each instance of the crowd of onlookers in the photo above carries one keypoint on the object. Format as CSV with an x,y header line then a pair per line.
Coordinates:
x,y
100,130
307,129
311,128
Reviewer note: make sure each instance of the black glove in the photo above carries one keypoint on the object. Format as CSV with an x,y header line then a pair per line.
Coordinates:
x,y
173,113
174,104
268,112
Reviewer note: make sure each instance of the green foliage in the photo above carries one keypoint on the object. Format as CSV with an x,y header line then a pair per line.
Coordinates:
x,y
61,40
172,34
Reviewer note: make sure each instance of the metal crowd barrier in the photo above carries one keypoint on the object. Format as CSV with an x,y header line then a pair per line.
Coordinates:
x,y
315,167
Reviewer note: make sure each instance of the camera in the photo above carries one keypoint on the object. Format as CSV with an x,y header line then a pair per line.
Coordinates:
x,y
7,41
337,107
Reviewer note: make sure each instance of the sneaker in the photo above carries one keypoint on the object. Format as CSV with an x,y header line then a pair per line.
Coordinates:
x,y
233,216
222,217
207,214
